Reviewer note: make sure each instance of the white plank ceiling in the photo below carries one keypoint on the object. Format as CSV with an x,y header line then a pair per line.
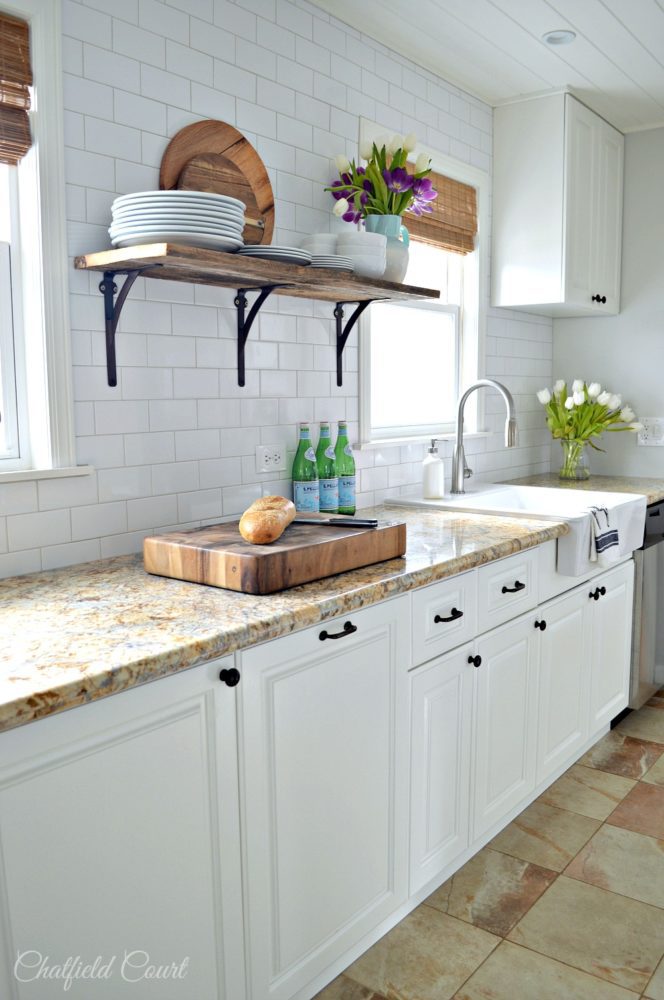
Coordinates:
x,y
494,48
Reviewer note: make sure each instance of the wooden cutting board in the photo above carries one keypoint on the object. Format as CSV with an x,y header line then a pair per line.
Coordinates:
x,y
217,555
213,156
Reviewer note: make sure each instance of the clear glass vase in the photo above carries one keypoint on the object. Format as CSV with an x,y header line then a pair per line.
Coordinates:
x,y
575,460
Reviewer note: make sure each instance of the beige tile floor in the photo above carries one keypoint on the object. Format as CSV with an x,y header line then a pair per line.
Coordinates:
x,y
566,903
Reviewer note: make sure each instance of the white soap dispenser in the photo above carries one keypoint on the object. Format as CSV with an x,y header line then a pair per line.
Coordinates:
x,y
433,474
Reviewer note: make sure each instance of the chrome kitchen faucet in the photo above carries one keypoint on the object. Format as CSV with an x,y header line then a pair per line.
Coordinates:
x,y
460,470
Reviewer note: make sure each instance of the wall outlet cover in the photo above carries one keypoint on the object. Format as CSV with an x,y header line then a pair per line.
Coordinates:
x,y
652,435
270,458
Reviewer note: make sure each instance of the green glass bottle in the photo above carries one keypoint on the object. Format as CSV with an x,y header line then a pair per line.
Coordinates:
x,y
327,472
345,470
305,475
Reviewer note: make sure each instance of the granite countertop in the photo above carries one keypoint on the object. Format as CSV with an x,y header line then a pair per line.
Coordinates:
x,y
70,636
651,488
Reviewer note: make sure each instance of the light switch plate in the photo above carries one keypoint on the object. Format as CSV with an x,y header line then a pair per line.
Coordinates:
x,y
652,435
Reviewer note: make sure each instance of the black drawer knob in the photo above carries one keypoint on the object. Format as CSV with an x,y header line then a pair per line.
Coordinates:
x,y
453,616
541,626
348,629
230,677
515,589
475,660
599,298
595,595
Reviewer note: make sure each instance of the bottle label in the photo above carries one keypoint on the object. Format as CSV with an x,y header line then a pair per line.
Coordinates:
x,y
329,452
346,491
310,455
329,495
306,496
348,450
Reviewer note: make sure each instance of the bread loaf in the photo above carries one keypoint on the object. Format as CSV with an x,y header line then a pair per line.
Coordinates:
x,y
266,520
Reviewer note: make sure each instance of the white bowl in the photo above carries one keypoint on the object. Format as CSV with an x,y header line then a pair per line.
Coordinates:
x,y
368,267
362,239
320,242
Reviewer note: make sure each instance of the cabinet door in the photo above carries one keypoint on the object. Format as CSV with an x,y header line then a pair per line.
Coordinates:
x,y
441,710
580,201
119,834
324,754
565,656
611,644
506,703
607,238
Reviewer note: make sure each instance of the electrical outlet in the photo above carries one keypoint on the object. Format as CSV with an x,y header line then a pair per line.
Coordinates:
x,y
270,458
652,435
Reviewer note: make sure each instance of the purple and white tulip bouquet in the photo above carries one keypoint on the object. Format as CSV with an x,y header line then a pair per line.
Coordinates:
x,y
383,186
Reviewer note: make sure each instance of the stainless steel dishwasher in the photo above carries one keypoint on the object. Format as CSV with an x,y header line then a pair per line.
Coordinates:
x,y
648,629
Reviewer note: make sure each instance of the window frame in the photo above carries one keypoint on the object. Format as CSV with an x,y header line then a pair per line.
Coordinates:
x,y
473,310
44,264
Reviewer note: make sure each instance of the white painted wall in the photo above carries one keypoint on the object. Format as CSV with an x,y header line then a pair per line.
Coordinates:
x,y
626,352
174,443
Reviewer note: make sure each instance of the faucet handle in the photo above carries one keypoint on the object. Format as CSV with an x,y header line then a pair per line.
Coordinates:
x,y
467,471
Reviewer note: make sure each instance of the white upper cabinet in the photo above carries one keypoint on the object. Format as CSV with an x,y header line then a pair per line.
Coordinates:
x,y
558,180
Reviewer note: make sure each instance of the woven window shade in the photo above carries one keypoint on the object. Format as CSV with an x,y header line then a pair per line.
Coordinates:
x,y
453,223
15,79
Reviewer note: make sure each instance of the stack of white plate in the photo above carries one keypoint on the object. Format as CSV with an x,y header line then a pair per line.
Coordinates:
x,y
283,255
195,218
324,244
333,261
366,250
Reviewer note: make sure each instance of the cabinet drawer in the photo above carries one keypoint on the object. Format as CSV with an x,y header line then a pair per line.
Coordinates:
x,y
506,589
444,616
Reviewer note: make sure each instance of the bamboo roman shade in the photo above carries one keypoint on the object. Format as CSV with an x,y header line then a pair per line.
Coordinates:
x,y
15,79
452,224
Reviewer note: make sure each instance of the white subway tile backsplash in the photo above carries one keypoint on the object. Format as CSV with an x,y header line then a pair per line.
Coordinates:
x,y
146,46
151,512
172,414
67,492
157,446
18,498
198,505
175,442
42,528
196,444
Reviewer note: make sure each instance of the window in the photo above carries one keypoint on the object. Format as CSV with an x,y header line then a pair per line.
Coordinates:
x,y
35,366
416,357
413,350
10,329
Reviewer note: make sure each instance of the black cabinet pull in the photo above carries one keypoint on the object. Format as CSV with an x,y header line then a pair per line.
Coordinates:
x,y
599,298
348,629
230,677
515,589
595,595
475,660
454,614
541,626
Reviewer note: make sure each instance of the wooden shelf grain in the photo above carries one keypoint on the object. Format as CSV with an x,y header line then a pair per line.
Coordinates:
x,y
176,262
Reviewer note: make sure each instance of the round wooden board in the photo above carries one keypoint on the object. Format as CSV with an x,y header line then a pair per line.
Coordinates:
x,y
213,156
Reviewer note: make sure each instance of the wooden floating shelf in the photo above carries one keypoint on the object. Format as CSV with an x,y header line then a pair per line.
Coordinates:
x,y
176,262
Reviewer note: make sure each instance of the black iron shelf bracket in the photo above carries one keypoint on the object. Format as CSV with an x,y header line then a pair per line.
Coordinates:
x,y
244,323
112,310
343,332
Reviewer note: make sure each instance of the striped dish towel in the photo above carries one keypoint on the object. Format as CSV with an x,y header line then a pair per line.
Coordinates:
x,y
604,538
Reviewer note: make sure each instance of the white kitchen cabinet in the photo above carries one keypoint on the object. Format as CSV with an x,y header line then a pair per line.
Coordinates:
x,y
441,743
558,180
611,643
324,760
505,718
119,837
564,681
